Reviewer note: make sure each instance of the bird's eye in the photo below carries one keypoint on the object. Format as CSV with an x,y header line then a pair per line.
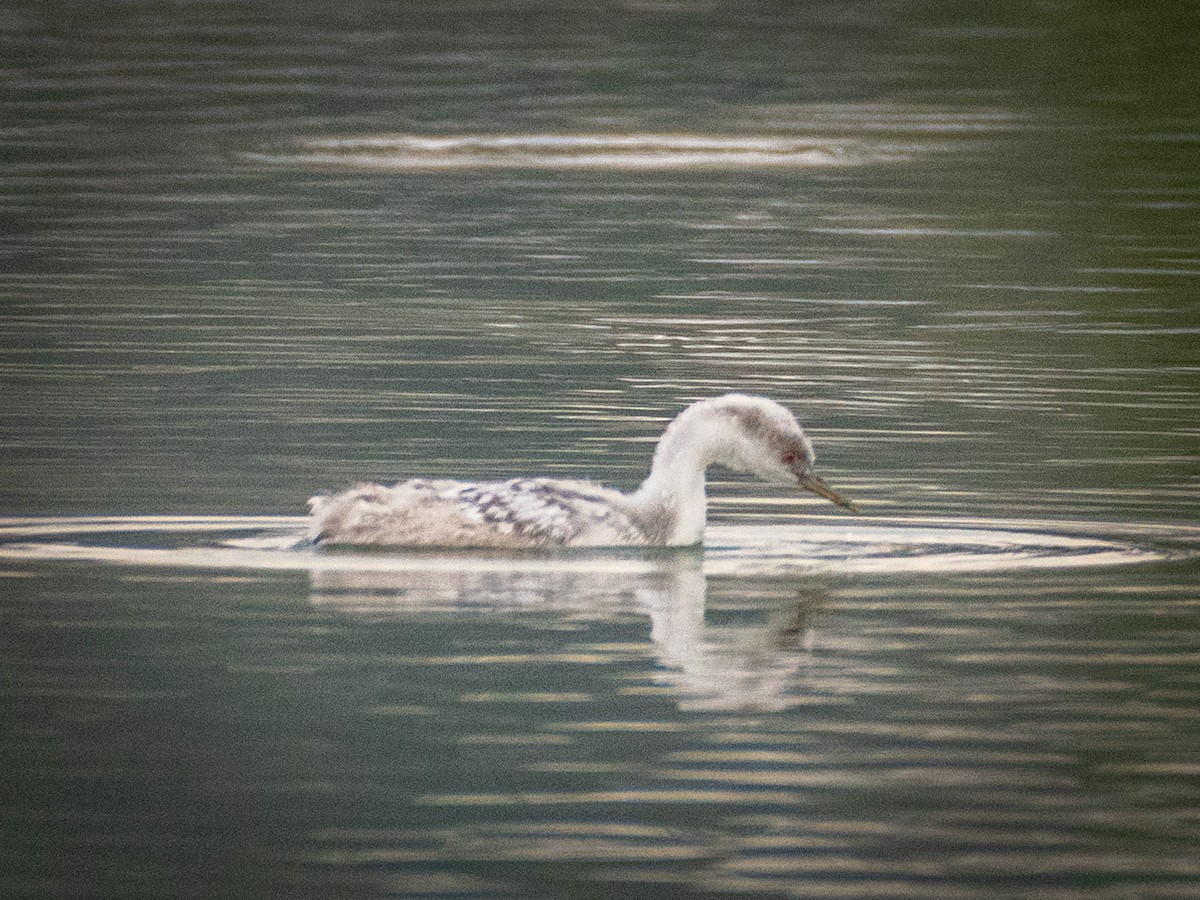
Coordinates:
x,y
789,458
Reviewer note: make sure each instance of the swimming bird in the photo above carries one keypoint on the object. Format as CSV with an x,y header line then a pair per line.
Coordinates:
x,y
743,433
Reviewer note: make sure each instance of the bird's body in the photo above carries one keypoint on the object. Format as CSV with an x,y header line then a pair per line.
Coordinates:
x,y
521,512
744,433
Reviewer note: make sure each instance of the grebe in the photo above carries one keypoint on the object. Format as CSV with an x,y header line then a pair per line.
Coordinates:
x,y
747,434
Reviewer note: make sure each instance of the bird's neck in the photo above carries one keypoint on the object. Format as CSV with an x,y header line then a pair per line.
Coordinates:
x,y
674,489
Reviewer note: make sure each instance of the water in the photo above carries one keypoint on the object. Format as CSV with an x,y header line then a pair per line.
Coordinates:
x,y
253,251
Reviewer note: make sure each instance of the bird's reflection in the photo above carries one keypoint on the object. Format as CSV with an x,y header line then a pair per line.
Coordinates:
x,y
744,655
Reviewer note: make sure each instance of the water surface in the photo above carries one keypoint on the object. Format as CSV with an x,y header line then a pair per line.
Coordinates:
x,y
254,251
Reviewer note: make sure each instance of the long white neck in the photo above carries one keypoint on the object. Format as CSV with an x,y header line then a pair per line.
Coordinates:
x,y
673,493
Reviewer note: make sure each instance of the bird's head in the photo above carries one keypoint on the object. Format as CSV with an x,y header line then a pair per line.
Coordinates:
x,y
766,439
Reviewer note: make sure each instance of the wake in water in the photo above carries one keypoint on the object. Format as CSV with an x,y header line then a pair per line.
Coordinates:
x,y
745,662
899,546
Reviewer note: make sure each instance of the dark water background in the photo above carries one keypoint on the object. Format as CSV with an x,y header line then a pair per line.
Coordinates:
x,y
981,299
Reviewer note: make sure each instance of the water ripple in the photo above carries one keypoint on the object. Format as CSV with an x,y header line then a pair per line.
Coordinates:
x,y
647,151
817,545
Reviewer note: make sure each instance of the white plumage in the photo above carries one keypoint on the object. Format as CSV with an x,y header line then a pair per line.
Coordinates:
x,y
747,434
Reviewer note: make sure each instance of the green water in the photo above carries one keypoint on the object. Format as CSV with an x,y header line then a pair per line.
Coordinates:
x,y
980,296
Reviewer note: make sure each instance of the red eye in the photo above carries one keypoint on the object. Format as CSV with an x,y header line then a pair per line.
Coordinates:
x,y
789,458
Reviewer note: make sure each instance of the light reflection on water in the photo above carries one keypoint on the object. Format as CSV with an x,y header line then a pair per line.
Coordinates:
x,y
557,151
707,666
399,723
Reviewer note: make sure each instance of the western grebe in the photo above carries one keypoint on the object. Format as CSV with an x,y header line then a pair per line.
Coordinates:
x,y
747,434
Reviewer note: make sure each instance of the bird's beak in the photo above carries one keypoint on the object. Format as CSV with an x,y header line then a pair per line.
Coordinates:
x,y
812,483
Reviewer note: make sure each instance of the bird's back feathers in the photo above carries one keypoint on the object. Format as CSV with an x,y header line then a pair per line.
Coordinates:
x,y
519,513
